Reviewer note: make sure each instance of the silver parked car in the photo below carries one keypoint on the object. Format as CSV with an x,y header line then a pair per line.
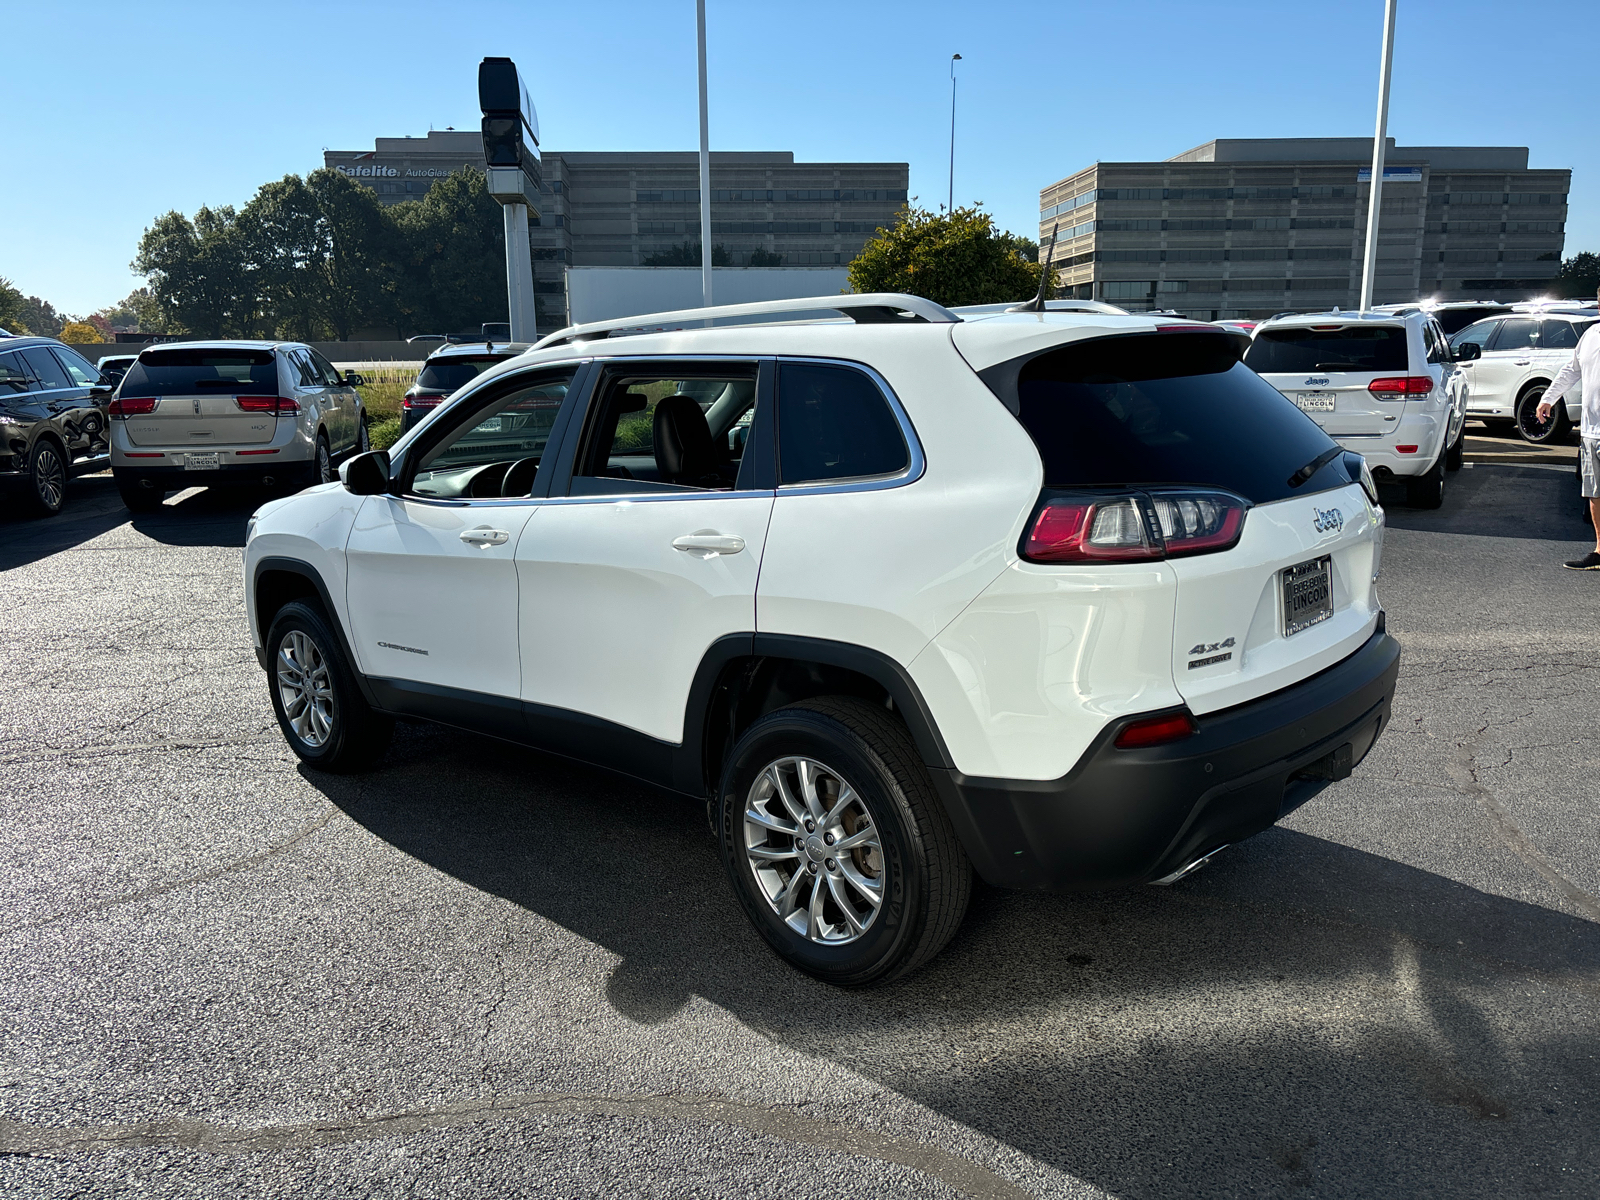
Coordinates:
x,y
193,414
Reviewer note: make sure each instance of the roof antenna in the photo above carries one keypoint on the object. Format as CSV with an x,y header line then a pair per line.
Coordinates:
x,y
1037,303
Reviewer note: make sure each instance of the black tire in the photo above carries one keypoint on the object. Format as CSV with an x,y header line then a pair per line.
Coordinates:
x,y
1457,454
138,498
1427,490
363,437
355,737
1534,431
321,467
47,478
925,877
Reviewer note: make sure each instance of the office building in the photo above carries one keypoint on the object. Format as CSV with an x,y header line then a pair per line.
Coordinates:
x,y
605,209
1247,228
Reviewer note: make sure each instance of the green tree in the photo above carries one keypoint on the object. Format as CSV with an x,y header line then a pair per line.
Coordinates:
x,y
138,309
949,258
759,257
284,250
11,302
199,274
453,250
688,255
41,317
1579,277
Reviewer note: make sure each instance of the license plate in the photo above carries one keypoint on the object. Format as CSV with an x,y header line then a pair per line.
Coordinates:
x,y
1314,401
202,462
1307,595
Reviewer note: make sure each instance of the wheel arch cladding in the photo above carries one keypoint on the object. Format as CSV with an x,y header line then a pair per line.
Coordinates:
x,y
278,581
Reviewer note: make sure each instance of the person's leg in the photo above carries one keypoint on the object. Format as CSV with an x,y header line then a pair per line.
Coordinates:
x,y
1594,516
1589,476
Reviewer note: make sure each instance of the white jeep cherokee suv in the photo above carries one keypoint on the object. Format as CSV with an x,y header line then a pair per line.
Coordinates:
x,y
903,597
1382,384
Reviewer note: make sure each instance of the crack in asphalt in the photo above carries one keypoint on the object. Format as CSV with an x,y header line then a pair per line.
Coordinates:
x,y
77,753
953,1170
1464,770
162,889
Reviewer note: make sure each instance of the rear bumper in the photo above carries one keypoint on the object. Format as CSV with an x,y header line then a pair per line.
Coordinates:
x,y
1424,431
275,468
1132,816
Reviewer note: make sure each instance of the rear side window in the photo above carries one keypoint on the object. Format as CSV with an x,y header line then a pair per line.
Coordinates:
x,y
200,371
1345,348
1559,335
1163,408
447,374
835,424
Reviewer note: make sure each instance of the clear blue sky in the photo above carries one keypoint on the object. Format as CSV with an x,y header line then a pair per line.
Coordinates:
x,y
126,111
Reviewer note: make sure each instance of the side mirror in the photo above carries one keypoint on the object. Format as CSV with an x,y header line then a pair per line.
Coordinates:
x,y
100,390
1467,351
366,474
351,379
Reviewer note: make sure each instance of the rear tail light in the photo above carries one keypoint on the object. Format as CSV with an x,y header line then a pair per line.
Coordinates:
x,y
421,400
132,406
1157,731
1133,527
1399,386
282,405
1405,449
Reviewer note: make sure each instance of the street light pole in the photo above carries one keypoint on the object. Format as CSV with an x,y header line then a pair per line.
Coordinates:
x,y
705,163
1379,145
950,203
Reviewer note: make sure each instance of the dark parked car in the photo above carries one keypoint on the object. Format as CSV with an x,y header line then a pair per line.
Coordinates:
x,y
447,369
53,420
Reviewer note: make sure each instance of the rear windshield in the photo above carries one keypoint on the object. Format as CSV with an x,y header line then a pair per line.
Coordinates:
x,y
447,374
1164,408
188,372
1454,320
1347,348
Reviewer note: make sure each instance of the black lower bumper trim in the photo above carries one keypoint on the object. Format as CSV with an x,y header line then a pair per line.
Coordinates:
x,y
1131,816
282,470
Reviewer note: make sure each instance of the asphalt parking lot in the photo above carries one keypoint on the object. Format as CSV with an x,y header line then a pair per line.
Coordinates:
x,y
485,972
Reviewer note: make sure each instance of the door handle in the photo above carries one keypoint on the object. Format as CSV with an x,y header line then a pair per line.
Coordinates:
x,y
484,537
1522,362
708,543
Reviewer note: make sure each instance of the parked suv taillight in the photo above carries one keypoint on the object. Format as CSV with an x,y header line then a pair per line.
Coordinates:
x,y
282,405
1398,387
132,406
1132,526
422,400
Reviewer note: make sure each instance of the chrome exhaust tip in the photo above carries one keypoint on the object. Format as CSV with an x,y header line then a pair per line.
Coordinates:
x,y
1185,872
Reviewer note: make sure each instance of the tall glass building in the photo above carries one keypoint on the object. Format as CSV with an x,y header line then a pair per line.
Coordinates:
x,y
624,209
1248,228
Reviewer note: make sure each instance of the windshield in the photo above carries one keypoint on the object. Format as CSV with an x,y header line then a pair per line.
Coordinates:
x,y
447,374
183,372
1164,408
1344,348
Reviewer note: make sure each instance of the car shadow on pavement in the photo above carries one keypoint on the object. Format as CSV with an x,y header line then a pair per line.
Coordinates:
x,y
1497,500
1300,1014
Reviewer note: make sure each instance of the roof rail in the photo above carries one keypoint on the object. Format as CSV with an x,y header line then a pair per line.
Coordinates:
x,y
872,308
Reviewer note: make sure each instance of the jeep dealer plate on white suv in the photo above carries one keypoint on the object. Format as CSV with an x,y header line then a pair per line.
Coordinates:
x,y
1315,401
1307,595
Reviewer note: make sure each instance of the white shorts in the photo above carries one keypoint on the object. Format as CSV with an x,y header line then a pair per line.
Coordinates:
x,y
1589,466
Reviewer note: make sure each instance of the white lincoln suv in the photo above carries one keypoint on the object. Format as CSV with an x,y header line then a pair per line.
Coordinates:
x,y
1385,385
903,595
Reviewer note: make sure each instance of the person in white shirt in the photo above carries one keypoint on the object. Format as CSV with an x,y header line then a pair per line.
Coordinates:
x,y
1584,367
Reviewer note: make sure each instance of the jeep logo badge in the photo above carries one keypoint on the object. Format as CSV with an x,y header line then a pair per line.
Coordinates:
x,y
1315,381
1326,519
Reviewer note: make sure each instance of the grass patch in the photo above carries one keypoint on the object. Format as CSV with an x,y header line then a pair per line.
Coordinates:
x,y
382,399
384,433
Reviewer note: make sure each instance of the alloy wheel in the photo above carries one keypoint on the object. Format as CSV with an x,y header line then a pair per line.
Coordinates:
x,y
305,688
324,462
49,477
814,850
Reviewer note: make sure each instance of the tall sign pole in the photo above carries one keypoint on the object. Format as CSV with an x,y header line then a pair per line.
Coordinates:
x,y
1379,145
705,161
950,204
510,124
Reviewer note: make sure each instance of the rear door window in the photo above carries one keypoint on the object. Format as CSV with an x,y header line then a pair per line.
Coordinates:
x,y
834,423
1516,333
1163,409
1341,348
50,373
191,372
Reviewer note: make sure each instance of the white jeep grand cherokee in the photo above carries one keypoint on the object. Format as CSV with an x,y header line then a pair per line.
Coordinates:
x,y
903,596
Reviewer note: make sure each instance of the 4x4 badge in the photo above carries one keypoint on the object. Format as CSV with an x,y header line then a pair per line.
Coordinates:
x,y
1212,648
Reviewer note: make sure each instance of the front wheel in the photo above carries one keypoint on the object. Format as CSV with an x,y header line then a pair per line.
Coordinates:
x,y
836,845
324,717
1533,430
47,472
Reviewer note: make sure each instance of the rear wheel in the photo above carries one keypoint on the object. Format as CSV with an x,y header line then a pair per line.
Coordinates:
x,y
324,717
140,495
321,470
1553,430
1456,455
1427,490
837,846
47,473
